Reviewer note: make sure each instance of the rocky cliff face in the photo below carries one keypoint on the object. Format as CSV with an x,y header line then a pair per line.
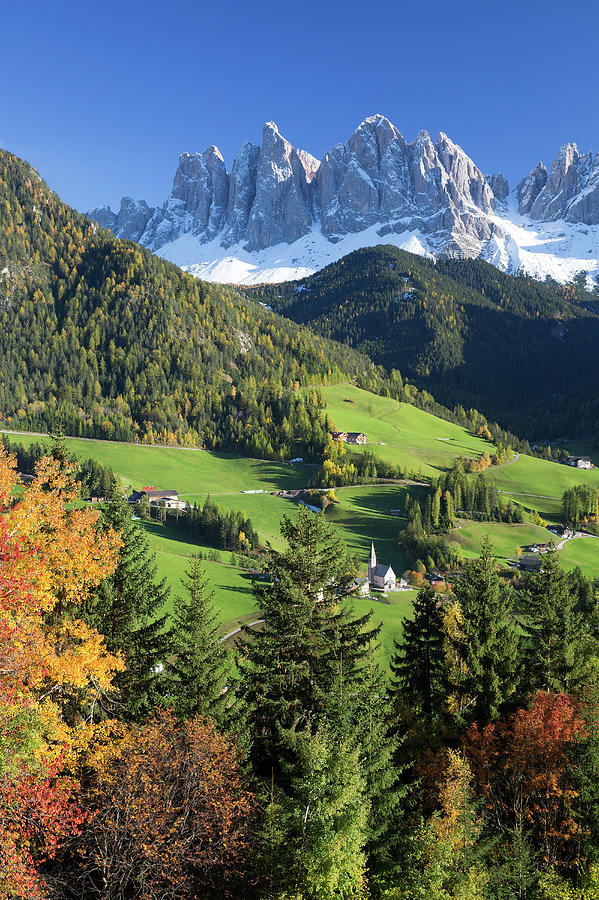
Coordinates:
x,y
276,193
428,190
570,190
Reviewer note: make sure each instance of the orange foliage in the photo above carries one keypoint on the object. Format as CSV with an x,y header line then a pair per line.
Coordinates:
x,y
522,769
171,816
51,554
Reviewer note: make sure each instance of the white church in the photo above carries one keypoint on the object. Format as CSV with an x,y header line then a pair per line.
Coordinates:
x,y
380,576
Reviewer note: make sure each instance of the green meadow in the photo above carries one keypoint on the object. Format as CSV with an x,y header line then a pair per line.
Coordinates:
x,y
399,433
415,440
583,552
539,484
505,538
191,472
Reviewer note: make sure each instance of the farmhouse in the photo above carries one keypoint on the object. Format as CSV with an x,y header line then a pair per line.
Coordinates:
x,y
580,462
168,499
356,437
349,437
380,576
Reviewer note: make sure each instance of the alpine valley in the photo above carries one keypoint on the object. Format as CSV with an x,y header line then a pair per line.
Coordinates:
x,y
281,214
268,628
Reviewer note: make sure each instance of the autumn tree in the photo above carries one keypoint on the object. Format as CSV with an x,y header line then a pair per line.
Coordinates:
x,y
170,812
53,667
450,861
523,770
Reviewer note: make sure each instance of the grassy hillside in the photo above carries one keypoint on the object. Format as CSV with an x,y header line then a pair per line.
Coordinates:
x,y
190,471
505,538
583,552
539,484
399,433
521,351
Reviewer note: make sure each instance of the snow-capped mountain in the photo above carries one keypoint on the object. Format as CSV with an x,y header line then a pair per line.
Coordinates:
x,y
280,213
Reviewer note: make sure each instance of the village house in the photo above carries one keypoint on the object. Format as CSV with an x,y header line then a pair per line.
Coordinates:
x,y
349,437
579,462
166,499
380,576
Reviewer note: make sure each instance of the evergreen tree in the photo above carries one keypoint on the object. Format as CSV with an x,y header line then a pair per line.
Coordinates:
x,y
418,664
310,646
127,609
380,748
314,835
309,668
557,643
487,647
198,682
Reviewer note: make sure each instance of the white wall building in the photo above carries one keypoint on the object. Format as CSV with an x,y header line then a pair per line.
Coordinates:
x,y
380,576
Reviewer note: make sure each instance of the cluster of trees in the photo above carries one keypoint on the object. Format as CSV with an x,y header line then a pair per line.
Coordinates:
x,y
580,505
209,524
340,467
424,544
475,498
432,516
451,324
498,691
136,760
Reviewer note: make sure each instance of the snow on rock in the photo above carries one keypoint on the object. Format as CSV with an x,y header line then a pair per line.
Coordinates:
x,y
281,213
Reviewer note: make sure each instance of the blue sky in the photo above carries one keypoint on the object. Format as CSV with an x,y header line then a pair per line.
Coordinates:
x,y
102,97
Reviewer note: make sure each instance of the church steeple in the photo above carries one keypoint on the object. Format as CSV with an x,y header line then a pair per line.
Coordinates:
x,y
371,561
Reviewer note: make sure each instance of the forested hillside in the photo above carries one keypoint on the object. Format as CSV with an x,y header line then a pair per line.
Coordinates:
x,y
101,338
521,351
107,340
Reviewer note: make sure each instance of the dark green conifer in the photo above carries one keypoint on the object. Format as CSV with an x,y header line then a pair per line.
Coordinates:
x,y
489,646
418,664
199,672
128,609
557,644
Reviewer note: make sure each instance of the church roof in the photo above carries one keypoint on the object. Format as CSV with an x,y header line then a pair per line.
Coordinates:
x,y
381,570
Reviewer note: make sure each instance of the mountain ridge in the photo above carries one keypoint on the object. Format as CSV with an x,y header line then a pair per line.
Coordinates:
x,y
280,213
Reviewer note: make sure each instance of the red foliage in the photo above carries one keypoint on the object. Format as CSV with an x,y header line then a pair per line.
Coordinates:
x,y
521,769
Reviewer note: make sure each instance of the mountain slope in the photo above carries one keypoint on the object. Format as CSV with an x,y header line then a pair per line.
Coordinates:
x,y
280,213
521,351
107,340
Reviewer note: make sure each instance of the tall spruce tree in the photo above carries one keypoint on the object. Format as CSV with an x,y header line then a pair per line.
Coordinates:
x,y
310,667
418,663
488,645
127,608
310,646
200,669
557,641
312,845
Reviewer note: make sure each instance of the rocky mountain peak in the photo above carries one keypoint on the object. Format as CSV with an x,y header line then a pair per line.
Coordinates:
x,y
570,190
429,191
